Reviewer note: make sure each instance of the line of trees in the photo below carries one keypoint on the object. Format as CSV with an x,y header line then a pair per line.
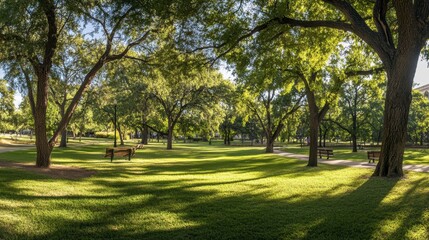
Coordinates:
x,y
330,56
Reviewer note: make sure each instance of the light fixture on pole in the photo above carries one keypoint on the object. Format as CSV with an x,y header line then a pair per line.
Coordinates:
x,y
114,121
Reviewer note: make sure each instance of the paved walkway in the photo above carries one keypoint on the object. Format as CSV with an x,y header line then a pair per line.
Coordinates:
x,y
415,168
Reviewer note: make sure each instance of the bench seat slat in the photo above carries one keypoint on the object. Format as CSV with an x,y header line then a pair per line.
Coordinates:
x,y
373,155
120,152
325,152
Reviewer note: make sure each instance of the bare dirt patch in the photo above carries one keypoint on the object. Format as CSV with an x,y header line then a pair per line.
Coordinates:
x,y
54,171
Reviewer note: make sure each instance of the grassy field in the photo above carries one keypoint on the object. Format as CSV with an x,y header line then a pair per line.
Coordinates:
x,y
411,155
198,191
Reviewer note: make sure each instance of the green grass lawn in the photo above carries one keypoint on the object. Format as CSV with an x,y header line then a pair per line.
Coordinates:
x,y
411,155
198,191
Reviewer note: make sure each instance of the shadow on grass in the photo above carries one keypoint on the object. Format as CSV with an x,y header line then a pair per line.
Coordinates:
x,y
252,200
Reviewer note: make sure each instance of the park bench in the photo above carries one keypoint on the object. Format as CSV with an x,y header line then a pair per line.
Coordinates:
x,y
120,152
373,155
327,152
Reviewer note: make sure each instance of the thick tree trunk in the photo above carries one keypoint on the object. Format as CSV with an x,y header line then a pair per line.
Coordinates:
x,y
270,145
43,147
44,150
314,130
354,131
354,142
63,142
145,134
398,99
170,134
170,139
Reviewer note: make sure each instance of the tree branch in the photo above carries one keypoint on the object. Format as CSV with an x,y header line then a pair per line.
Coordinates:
x,y
379,15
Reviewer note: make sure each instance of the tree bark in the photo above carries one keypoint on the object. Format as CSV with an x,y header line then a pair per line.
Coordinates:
x,y
121,136
325,133
354,142
63,142
170,134
145,134
314,130
354,132
40,103
270,146
398,99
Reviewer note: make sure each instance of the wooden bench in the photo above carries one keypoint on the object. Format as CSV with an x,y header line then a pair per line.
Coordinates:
x,y
373,155
120,152
327,152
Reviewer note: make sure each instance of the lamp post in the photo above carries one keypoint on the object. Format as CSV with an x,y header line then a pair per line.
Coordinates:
x,y
114,120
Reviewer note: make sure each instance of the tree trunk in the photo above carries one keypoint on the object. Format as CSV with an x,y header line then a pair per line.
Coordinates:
x,y
270,145
398,99
145,134
325,133
354,132
170,134
121,138
314,130
44,150
63,142
354,142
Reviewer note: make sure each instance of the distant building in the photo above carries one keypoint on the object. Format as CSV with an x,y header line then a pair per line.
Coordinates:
x,y
424,90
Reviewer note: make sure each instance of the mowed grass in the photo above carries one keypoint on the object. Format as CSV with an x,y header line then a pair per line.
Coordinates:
x,y
198,191
411,155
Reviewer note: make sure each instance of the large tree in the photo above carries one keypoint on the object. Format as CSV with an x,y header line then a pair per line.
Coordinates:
x,y
396,30
271,97
182,84
33,35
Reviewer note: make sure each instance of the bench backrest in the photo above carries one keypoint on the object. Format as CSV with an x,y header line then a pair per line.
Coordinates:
x,y
374,154
324,150
120,151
